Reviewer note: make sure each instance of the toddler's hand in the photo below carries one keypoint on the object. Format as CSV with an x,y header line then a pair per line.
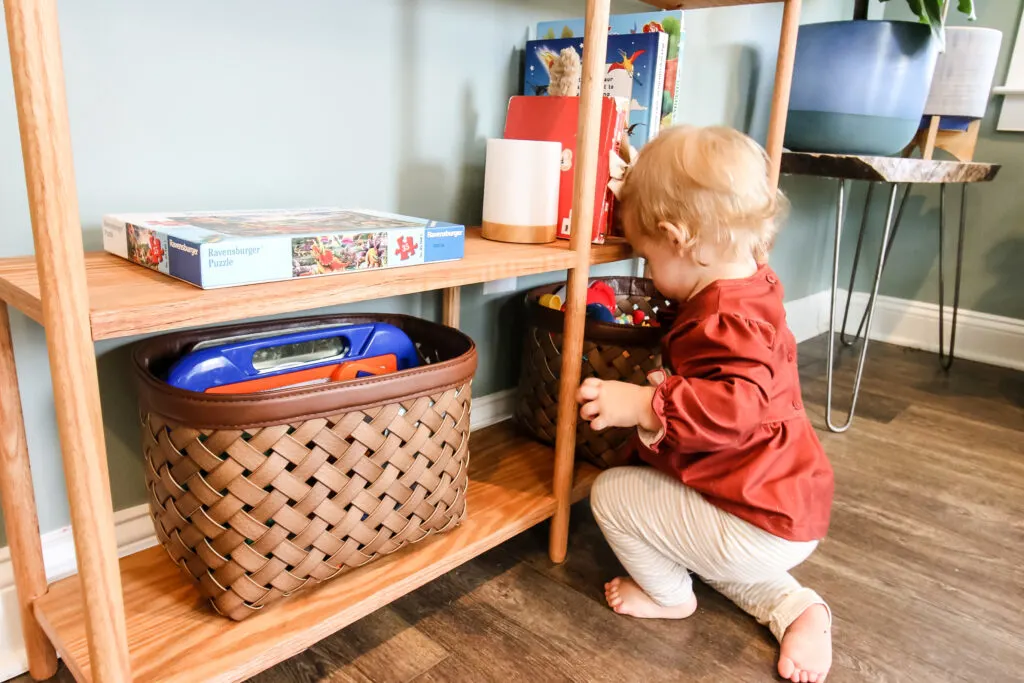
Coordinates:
x,y
616,404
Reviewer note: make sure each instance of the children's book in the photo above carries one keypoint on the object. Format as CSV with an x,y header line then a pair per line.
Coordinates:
x,y
635,72
228,248
670,22
556,119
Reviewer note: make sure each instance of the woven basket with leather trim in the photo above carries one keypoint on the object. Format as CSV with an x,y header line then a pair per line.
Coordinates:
x,y
258,496
610,351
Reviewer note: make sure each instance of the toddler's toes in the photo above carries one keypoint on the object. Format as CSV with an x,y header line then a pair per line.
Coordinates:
x,y
611,594
806,652
624,596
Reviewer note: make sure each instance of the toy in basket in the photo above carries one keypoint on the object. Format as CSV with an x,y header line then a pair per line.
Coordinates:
x,y
622,350
258,495
301,357
603,306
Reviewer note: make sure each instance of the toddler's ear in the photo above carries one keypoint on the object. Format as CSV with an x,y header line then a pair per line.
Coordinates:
x,y
676,235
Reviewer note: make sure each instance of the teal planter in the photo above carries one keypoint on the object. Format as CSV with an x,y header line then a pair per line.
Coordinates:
x,y
859,87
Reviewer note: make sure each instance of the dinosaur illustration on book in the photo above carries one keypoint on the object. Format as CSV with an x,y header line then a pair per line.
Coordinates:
x,y
627,64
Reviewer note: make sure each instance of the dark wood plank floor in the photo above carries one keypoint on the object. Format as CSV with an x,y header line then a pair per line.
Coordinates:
x,y
923,566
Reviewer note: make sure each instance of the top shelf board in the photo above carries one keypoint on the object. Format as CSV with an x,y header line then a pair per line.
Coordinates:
x,y
126,299
702,4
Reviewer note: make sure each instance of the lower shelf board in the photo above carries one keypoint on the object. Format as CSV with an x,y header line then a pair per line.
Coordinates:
x,y
174,635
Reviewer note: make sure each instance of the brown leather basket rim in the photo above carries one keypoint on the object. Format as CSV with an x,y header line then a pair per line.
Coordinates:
x,y
595,331
152,357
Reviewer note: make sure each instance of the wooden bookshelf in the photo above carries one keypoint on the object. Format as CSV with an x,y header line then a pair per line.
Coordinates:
x,y
139,618
128,299
703,4
174,636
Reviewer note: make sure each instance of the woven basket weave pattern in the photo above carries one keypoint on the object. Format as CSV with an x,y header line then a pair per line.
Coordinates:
x,y
254,515
537,394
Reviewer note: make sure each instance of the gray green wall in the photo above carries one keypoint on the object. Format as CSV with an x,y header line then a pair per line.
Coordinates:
x,y
993,274
243,104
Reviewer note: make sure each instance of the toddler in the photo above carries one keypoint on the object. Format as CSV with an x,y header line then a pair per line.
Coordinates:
x,y
738,490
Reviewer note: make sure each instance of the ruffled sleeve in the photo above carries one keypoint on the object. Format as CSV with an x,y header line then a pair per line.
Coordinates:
x,y
720,387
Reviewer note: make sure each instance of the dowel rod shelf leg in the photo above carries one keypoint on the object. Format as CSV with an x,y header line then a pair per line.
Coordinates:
x,y
19,507
34,41
451,306
783,83
585,185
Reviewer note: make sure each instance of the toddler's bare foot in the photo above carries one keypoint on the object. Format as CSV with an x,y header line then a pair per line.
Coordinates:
x,y
625,597
807,647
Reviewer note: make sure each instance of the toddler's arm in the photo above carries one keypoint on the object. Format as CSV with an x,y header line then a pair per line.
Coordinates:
x,y
720,391
718,395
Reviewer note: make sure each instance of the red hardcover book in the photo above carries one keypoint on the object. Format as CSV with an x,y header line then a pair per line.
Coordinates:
x,y
555,119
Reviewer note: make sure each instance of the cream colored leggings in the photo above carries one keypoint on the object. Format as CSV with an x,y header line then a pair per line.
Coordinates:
x,y
662,530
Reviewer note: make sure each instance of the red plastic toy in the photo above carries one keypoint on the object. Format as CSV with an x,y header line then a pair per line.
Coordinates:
x,y
602,293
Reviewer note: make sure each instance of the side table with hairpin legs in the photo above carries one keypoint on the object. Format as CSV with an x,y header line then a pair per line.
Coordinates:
x,y
892,171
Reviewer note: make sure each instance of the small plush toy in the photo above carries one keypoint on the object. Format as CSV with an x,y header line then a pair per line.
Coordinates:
x,y
620,164
565,74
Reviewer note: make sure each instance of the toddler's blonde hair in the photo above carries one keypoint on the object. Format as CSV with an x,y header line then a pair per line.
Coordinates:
x,y
711,182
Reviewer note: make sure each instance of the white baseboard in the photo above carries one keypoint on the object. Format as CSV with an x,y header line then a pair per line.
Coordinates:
x,y
492,408
808,317
991,339
134,532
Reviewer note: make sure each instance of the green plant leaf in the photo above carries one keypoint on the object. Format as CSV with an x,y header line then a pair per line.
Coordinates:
x,y
933,11
930,11
933,17
917,8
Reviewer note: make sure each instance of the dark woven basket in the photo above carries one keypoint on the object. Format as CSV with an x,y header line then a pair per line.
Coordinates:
x,y
613,352
258,496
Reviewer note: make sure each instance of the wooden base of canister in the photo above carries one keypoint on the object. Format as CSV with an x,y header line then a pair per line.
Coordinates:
x,y
522,234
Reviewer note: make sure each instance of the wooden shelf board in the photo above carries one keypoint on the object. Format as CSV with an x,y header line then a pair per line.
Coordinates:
x,y
126,299
703,4
175,636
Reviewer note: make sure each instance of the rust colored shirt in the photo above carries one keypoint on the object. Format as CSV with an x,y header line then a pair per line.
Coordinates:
x,y
733,423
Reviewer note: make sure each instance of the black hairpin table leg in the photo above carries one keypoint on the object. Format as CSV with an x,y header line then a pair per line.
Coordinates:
x,y
856,259
947,361
830,361
853,269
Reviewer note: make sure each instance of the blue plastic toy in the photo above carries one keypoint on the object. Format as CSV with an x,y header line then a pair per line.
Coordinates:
x,y
600,312
307,356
